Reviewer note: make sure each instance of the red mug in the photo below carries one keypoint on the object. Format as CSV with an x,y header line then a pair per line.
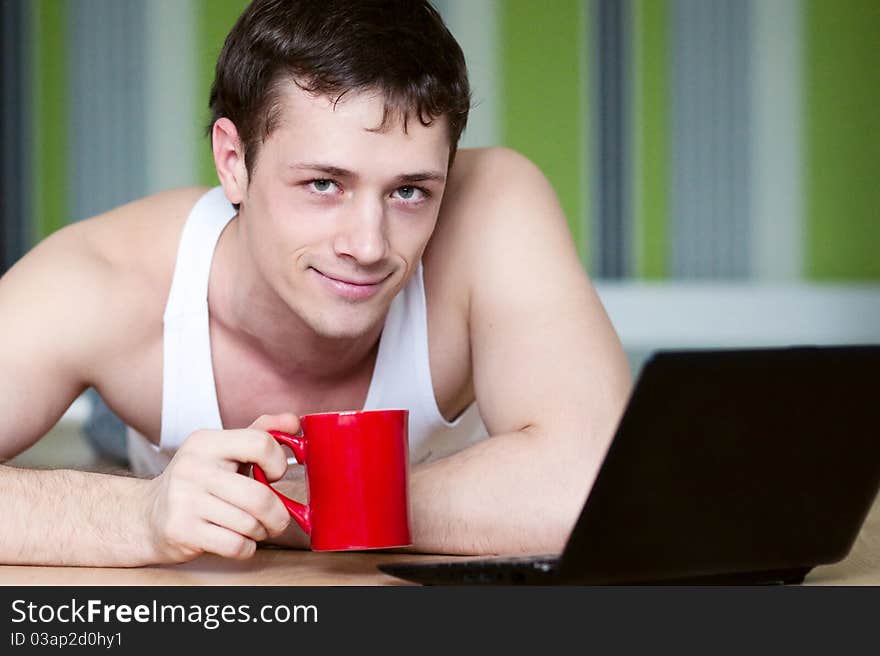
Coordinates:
x,y
357,471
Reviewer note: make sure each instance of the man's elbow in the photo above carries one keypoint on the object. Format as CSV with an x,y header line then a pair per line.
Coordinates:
x,y
567,479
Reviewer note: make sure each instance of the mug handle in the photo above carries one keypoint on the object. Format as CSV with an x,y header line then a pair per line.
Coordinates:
x,y
300,512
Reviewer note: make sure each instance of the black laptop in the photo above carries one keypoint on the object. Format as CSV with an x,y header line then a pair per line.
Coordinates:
x,y
732,466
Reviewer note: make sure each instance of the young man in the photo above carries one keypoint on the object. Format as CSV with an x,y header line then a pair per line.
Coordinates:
x,y
345,263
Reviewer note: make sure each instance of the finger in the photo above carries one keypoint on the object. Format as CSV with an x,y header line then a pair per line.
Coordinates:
x,y
223,542
286,422
226,515
254,498
245,445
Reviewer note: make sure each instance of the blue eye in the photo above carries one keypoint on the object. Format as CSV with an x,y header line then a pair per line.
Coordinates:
x,y
408,193
322,185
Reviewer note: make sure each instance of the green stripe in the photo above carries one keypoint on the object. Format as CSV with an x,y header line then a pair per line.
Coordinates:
x,y
651,138
214,19
50,189
842,97
543,77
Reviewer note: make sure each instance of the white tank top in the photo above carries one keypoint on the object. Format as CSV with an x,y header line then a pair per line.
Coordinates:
x,y
401,376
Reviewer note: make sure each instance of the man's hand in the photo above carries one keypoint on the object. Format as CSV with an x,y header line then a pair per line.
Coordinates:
x,y
201,503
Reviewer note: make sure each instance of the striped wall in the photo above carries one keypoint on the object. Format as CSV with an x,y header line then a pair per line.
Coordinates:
x,y
172,151
721,139
842,97
686,139
107,105
15,125
50,186
476,28
610,32
777,144
710,133
214,19
543,109
650,152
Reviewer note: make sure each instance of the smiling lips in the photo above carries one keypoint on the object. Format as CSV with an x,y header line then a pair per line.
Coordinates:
x,y
353,290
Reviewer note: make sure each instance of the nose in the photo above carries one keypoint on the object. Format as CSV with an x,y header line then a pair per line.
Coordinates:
x,y
362,236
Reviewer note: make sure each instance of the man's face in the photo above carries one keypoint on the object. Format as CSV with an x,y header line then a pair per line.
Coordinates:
x,y
336,214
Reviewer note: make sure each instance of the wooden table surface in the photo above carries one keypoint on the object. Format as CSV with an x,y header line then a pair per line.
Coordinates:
x,y
295,567
267,567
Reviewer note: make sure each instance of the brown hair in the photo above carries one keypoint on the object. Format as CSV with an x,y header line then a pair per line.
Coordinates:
x,y
400,48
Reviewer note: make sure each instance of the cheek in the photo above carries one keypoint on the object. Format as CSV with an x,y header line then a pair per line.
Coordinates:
x,y
409,250
418,233
290,225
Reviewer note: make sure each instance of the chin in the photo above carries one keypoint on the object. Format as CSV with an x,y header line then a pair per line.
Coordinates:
x,y
345,325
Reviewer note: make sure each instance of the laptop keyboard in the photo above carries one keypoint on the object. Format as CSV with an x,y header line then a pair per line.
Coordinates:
x,y
495,570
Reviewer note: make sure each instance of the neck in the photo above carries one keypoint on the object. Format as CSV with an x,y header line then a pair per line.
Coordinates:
x,y
258,320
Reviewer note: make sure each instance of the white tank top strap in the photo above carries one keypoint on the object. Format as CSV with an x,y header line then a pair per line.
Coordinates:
x,y
402,378
189,396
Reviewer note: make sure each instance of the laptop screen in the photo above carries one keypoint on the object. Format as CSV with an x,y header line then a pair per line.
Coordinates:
x,y
733,462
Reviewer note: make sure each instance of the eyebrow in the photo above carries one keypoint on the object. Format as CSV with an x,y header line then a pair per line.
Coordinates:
x,y
337,172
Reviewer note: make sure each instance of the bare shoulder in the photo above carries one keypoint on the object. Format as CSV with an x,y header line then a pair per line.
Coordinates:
x,y
497,201
492,175
137,240
499,218
141,234
101,275
544,353
492,159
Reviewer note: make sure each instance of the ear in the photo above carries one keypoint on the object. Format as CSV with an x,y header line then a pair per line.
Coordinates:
x,y
229,159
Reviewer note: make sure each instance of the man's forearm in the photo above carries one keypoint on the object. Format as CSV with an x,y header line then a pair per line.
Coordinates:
x,y
459,505
483,500
65,517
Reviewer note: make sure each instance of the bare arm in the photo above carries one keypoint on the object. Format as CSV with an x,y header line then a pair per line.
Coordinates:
x,y
550,377
53,516
58,306
38,363
64,517
199,504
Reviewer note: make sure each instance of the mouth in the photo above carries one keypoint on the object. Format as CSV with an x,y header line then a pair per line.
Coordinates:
x,y
353,289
